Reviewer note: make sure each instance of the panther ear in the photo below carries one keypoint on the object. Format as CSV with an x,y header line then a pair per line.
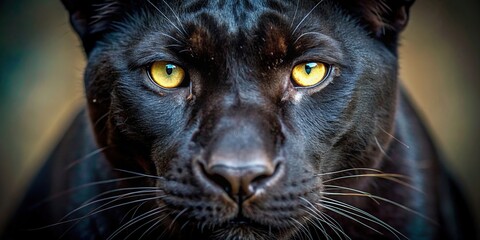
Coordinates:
x,y
92,18
385,19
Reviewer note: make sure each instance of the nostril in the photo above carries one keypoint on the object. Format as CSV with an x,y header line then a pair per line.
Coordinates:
x,y
221,182
260,179
238,182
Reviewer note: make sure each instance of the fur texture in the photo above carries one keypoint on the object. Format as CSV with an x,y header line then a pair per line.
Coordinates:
x,y
238,150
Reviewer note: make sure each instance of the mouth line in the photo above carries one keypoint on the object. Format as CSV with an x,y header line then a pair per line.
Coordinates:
x,y
241,220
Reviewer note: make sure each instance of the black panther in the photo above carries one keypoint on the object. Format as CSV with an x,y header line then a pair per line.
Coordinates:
x,y
243,120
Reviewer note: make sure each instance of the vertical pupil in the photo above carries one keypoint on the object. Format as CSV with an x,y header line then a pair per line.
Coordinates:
x,y
169,68
309,66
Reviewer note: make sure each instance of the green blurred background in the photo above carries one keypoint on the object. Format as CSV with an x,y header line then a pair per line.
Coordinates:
x,y
41,87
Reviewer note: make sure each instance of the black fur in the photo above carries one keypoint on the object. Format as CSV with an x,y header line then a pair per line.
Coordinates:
x,y
239,106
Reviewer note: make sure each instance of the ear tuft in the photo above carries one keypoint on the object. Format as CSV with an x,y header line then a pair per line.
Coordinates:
x,y
103,13
91,18
385,19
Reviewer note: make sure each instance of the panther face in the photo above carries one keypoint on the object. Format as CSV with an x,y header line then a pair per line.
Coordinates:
x,y
245,119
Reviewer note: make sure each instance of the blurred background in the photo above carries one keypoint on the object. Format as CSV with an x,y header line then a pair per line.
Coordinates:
x,y
41,65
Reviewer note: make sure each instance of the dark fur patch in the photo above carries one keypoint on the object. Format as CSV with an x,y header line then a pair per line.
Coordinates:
x,y
201,42
275,41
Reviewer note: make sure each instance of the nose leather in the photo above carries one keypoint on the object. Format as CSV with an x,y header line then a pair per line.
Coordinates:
x,y
239,174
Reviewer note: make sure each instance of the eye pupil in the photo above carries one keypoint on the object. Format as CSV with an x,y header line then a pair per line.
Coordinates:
x,y
169,68
309,66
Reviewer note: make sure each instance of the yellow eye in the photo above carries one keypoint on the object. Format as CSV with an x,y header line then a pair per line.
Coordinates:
x,y
309,74
166,74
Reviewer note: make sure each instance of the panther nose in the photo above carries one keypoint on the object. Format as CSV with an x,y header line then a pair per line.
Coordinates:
x,y
240,153
240,175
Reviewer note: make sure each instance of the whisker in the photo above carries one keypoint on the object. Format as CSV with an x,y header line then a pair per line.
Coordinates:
x,y
135,220
178,215
302,228
333,209
67,230
387,201
165,230
334,223
93,212
184,225
348,170
139,174
173,46
158,221
50,198
367,216
176,16
117,197
353,190
393,137
318,224
312,212
388,176
101,209
171,37
308,14
165,16
297,229
305,34
318,218
93,153
73,225
294,14
381,148
78,220
139,227
100,118
321,215
134,209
